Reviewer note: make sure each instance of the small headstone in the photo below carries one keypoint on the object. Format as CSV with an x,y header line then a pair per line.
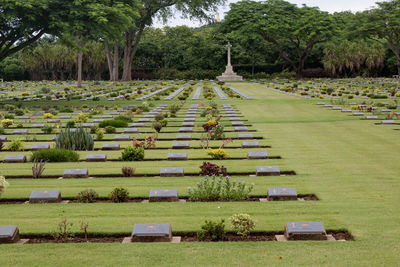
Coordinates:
x,y
190,124
279,194
159,195
131,130
76,173
237,123
180,145
245,136
189,119
137,124
151,233
328,106
305,231
53,121
358,114
183,137
23,117
98,120
143,120
190,116
165,172
9,234
234,118
37,125
107,116
40,146
241,129
14,159
388,122
371,117
65,117
3,138
148,116
122,137
110,146
88,125
347,110
250,144
257,155
186,129
386,110
336,108
96,157
177,156
267,170
20,131
45,197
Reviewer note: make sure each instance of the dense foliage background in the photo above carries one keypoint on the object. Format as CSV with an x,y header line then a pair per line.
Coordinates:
x,y
115,40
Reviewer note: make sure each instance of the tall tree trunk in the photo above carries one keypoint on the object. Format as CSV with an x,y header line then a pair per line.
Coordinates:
x,y
109,61
116,62
132,39
80,58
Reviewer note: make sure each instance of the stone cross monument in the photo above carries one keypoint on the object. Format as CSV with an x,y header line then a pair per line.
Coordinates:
x,y
229,74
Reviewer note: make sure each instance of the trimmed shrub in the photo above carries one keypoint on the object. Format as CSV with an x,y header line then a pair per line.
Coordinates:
x,y
132,153
55,155
110,129
87,196
213,231
113,123
128,171
123,118
242,224
119,195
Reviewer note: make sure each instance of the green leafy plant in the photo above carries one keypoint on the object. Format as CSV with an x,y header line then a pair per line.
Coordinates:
x,y
119,195
242,224
77,139
15,145
219,189
110,129
55,155
132,153
128,171
87,196
47,129
113,123
213,231
100,134
63,231
38,168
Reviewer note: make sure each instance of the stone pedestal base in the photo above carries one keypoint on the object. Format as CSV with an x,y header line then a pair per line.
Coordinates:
x,y
229,75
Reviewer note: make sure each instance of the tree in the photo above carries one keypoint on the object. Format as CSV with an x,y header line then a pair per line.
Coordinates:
x,y
163,8
293,31
23,22
382,24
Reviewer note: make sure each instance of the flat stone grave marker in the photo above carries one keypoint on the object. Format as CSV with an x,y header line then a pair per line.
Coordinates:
x,y
9,234
267,170
234,118
358,114
186,129
107,116
37,114
131,130
148,116
122,137
23,117
347,110
110,146
143,120
191,112
114,113
45,196
190,116
14,159
336,108
237,123
386,110
65,117
177,156
241,129
151,233
20,131
388,122
250,144
187,124
137,124
371,117
305,231
88,125
328,106
40,146
98,120
320,103
245,136
154,112
165,172
3,138
96,157
37,125
76,173
257,155
159,195
183,137
278,194
53,121
180,145
189,119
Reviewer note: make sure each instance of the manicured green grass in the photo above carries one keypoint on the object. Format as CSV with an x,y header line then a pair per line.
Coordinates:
x,y
350,164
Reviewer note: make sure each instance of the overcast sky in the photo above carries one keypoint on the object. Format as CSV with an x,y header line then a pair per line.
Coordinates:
x,y
325,5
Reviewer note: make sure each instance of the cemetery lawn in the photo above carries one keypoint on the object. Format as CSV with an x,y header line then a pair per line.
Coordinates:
x,y
352,165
